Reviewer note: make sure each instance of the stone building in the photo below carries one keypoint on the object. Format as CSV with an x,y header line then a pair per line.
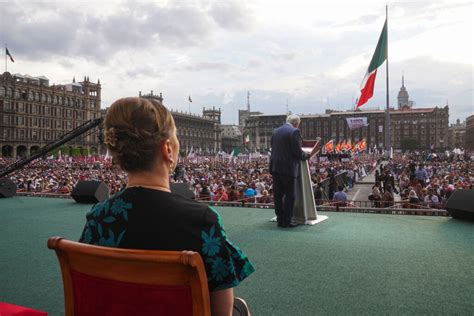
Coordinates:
x,y
457,134
411,128
232,137
34,113
202,133
470,133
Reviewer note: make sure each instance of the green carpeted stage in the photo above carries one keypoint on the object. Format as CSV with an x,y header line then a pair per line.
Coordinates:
x,y
350,264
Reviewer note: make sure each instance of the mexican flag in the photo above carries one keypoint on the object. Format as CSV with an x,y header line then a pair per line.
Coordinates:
x,y
380,55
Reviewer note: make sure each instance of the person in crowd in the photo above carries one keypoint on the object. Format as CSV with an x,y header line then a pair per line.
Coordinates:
x,y
421,175
387,197
340,197
318,193
285,159
221,195
376,194
413,198
431,198
205,194
265,197
233,194
140,135
249,192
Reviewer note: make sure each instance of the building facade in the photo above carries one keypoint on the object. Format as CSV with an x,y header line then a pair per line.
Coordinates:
x,y
231,136
411,128
201,133
33,113
470,133
457,134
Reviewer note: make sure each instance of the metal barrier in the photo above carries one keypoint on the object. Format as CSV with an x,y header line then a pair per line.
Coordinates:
x,y
398,208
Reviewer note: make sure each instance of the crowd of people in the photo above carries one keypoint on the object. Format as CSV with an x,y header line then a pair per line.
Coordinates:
x,y
418,179
215,178
422,179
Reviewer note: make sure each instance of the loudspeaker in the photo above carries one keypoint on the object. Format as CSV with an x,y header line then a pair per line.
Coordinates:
x,y
182,189
7,188
89,192
459,205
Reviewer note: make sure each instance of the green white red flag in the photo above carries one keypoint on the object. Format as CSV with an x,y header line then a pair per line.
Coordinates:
x,y
380,55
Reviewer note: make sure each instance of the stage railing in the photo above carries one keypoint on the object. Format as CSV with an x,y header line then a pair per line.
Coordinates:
x,y
398,208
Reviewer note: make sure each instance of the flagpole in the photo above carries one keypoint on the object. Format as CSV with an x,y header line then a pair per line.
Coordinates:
x,y
5,57
388,140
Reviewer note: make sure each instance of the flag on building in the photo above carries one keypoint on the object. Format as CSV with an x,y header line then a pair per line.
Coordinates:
x,y
380,55
189,99
9,55
329,147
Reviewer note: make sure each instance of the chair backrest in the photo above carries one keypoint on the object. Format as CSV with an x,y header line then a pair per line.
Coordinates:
x,y
113,281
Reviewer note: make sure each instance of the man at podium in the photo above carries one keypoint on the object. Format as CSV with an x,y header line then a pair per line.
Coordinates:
x,y
284,167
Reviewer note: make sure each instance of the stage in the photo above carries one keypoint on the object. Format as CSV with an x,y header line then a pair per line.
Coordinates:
x,y
352,263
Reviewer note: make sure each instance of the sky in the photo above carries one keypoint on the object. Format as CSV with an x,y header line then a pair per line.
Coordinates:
x,y
308,56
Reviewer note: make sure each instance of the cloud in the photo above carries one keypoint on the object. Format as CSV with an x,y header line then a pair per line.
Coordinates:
x,y
62,30
209,65
232,15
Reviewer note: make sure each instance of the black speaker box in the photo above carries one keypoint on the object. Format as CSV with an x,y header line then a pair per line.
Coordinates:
x,y
90,192
7,188
460,204
183,189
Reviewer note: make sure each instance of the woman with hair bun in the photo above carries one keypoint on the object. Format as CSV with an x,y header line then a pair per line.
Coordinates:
x,y
140,135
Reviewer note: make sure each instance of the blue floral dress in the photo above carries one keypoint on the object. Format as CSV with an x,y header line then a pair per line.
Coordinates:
x,y
140,218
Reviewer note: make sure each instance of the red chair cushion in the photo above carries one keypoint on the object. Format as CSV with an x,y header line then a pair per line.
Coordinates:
x,y
14,310
96,296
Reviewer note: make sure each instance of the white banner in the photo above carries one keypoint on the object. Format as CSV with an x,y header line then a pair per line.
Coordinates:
x,y
356,122
380,128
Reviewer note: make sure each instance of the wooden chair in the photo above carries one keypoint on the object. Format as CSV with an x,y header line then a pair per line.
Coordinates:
x,y
112,281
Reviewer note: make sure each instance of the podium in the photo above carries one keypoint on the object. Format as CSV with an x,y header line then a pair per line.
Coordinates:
x,y
304,211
